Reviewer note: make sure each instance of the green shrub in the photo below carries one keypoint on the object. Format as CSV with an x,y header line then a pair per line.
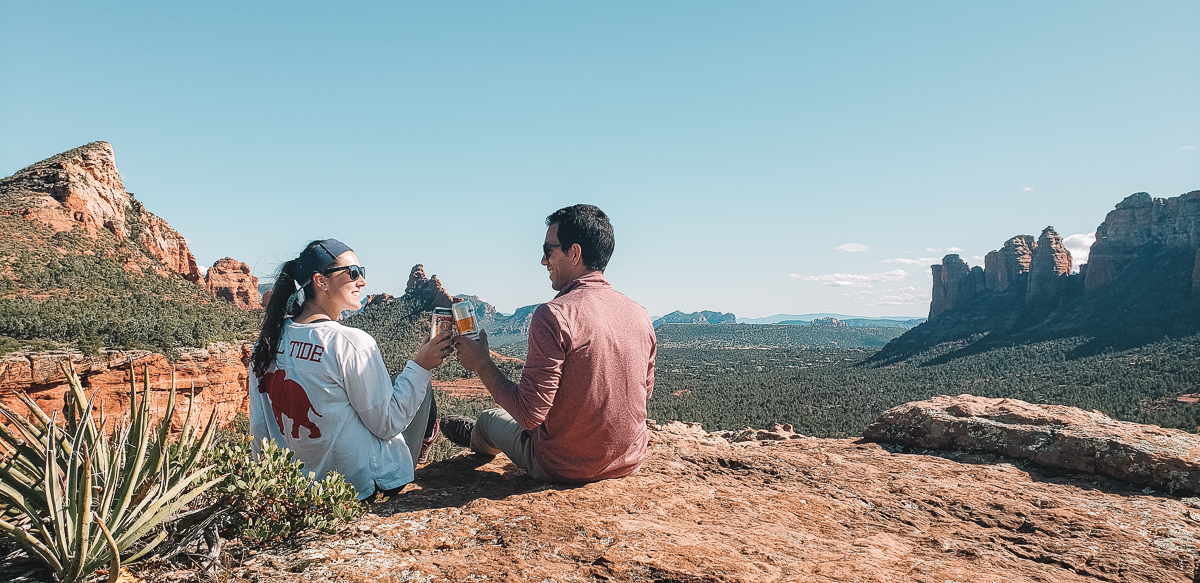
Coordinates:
x,y
271,498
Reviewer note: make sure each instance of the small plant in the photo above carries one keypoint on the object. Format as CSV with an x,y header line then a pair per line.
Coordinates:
x,y
76,498
272,498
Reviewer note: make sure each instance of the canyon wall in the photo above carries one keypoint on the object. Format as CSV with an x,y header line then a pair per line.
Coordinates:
x,y
1141,226
211,378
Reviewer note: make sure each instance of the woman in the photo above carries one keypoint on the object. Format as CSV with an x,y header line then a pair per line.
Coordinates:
x,y
321,389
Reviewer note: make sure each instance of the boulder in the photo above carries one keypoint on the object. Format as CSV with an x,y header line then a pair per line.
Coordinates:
x,y
1052,436
230,280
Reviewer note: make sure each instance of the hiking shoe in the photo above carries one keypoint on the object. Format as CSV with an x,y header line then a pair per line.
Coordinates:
x,y
427,444
457,429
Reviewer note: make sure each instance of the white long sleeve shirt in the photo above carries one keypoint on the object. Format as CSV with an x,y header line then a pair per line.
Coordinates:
x,y
329,398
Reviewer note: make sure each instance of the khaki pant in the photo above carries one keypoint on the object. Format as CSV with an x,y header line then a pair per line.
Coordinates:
x,y
414,434
497,432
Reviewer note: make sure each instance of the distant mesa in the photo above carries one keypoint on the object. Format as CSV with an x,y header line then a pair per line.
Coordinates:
x,y
703,317
832,322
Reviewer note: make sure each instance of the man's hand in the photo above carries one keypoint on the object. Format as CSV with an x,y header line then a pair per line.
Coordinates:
x,y
431,354
473,354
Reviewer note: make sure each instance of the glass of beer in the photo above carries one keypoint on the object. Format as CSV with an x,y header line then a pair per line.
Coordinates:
x,y
464,320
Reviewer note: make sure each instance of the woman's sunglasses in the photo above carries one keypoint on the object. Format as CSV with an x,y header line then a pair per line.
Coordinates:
x,y
355,271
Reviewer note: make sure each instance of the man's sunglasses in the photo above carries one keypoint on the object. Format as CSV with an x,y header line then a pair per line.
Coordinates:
x,y
355,271
546,247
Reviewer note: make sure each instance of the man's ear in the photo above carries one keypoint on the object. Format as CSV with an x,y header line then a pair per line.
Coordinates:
x,y
576,254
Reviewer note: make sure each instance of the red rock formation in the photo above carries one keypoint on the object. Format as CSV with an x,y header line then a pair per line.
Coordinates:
x,y
217,375
780,507
1009,265
377,300
954,283
428,291
1053,436
266,297
1139,225
82,188
230,280
1049,266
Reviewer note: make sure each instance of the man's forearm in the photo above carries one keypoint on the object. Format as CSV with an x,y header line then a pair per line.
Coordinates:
x,y
491,376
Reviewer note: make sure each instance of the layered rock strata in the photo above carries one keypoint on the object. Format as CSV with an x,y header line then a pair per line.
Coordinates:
x,y
1049,435
1009,265
1038,269
231,280
1049,265
212,378
1141,226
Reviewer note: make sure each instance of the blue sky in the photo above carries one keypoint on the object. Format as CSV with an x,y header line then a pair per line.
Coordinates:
x,y
755,158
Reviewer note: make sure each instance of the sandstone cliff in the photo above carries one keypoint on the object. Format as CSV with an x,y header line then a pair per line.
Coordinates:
x,y
230,280
1009,265
1142,226
82,188
1140,284
212,378
766,505
428,291
1049,265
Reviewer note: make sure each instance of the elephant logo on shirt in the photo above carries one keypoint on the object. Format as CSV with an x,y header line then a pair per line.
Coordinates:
x,y
288,398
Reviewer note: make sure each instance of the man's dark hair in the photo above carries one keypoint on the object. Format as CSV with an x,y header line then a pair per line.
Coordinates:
x,y
589,227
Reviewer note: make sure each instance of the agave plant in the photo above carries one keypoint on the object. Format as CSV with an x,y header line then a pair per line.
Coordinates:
x,y
77,498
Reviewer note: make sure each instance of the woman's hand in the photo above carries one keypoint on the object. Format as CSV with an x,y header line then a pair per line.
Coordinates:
x,y
431,354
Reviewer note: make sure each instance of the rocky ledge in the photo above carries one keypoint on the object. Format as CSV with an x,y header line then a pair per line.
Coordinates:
x,y
1052,436
768,505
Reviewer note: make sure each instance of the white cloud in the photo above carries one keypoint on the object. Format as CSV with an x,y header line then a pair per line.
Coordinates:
x,y
934,249
1181,148
954,249
1080,246
978,257
1027,188
853,279
904,296
852,247
926,261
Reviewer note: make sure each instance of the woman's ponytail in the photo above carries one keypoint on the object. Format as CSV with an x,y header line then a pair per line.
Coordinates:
x,y
276,313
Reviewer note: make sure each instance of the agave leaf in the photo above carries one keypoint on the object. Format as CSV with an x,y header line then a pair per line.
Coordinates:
x,y
83,505
31,545
164,509
114,568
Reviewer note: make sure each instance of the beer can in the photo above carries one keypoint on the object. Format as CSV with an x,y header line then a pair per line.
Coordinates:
x,y
443,321
464,320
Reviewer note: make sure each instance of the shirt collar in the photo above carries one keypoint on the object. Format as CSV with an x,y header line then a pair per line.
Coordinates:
x,y
592,279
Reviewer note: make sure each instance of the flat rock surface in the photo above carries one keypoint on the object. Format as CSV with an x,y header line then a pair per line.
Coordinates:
x,y
1054,436
787,509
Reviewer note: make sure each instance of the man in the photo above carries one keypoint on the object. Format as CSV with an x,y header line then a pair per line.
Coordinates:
x,y
579,412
